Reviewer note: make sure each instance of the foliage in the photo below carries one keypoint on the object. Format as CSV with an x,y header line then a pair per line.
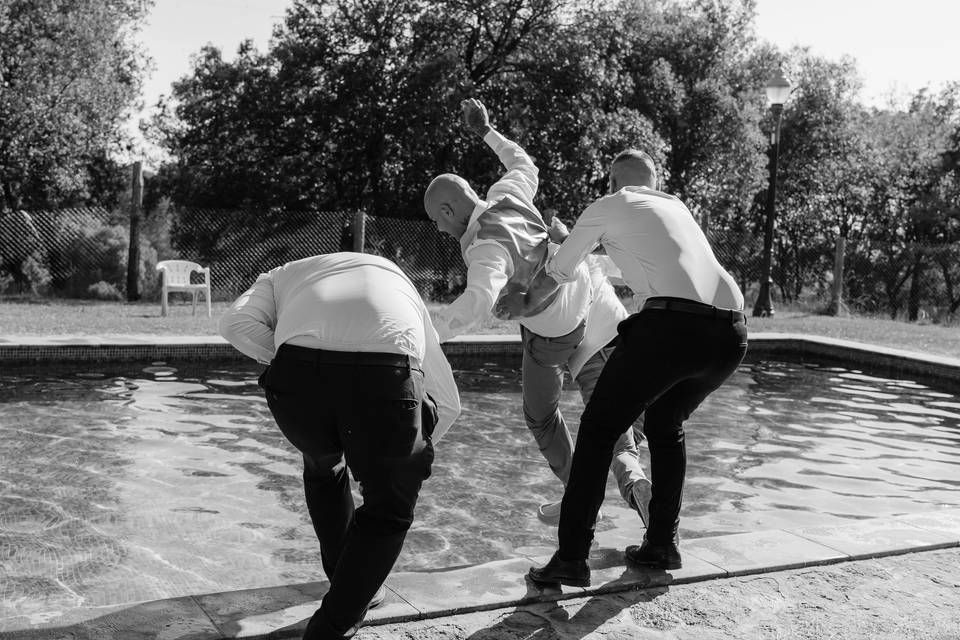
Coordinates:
x,y
89,249
356,104
69,73
104,291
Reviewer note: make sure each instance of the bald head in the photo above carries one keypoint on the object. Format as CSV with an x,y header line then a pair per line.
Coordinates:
x,y
632,168
449,200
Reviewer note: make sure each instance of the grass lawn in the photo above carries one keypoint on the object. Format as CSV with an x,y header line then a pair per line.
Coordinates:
x,y
20,317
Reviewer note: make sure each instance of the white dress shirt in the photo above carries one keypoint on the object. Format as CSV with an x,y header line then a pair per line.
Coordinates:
x,y
605,313
343,302
489,265
655,241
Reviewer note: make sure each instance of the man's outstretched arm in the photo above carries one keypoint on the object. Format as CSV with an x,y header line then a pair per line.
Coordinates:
x,y
521,178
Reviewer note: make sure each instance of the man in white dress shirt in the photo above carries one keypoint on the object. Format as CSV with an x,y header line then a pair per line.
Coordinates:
x,y
356,379
687,339
504,243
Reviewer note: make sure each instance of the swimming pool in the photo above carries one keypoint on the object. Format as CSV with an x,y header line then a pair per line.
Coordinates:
x,y
128,483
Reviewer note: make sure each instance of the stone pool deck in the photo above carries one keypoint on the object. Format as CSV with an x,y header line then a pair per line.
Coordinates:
x,y
891,577
849,581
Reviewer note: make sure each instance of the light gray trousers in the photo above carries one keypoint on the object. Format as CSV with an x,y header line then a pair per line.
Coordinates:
x,y
544,361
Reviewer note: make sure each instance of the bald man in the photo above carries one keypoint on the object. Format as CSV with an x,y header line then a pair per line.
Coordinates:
x,y
504,243
687,339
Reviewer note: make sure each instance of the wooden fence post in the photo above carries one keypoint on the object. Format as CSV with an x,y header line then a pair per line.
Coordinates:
x,y
359,230
133,255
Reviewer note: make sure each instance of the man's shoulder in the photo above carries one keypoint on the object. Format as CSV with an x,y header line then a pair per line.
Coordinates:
x,y
508,202
632,197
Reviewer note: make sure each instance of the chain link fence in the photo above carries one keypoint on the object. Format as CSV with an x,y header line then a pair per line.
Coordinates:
x,y
82,253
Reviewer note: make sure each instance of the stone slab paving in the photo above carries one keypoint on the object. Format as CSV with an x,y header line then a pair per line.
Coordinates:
x,y
284,611
878,537
760,552
280,612
905,597
944,520
171,619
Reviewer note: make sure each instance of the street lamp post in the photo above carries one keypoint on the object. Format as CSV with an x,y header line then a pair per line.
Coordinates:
x,y
778,88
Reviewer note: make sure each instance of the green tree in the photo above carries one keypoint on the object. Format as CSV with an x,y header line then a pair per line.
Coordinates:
x,y
913,194
824,164
69,75
694,78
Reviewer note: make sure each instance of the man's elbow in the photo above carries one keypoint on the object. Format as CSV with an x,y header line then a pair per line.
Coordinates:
x,y
559,275
228,328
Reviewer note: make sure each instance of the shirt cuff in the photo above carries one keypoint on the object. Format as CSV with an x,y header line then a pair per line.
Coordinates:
x,y
494,139
554,272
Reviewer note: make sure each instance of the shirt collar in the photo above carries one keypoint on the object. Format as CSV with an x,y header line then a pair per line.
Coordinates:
x,y
472,225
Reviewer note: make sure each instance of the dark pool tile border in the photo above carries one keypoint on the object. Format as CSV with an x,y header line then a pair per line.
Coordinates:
x,y
15,350
804,348
894,363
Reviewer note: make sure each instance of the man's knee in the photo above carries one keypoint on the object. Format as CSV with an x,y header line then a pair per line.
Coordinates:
x,y
324,468
385,520
389,503
662,432
543,425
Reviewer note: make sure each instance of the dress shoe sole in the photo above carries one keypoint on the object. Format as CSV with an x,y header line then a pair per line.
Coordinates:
x,y
565,580
653,564
569,582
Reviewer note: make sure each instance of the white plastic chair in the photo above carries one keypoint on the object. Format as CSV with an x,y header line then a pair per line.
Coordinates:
x,y
176,277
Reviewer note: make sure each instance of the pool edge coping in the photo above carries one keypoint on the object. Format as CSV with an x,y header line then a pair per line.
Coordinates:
x,y
217,615
70,348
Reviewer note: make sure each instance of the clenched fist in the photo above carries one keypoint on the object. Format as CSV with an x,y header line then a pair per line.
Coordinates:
x,y
475,116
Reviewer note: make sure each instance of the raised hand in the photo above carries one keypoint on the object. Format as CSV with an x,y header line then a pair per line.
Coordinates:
x,y
475,116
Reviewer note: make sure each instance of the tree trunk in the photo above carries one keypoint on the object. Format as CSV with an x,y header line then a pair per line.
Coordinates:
x,y
133,256
916,281
837,306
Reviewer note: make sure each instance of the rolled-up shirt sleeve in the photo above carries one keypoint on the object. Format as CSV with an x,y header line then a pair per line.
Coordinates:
x,y
250,321
584,238
488,268
438,380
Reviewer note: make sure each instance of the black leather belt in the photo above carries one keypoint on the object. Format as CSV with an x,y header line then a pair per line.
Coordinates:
x,y
323,356
698,308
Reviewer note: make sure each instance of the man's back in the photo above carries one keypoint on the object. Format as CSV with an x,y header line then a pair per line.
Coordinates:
x,y
365,303
658,246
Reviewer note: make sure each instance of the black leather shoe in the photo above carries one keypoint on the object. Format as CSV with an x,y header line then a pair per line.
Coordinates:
x,y
656,556
573,573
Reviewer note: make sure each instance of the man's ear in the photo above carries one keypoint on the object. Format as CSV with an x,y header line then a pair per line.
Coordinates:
x,y
446,209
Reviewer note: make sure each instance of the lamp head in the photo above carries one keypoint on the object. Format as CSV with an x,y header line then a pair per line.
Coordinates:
x,y
778,89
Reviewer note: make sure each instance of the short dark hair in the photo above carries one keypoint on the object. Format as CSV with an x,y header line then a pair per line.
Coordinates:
x,y
633,167
635,154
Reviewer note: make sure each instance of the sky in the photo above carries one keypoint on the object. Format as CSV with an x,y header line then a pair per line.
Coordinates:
x,y
899,46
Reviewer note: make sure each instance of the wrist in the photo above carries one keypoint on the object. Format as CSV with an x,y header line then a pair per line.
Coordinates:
x,y
483,131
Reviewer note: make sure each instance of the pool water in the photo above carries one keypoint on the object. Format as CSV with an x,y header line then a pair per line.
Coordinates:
x,y
128,483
